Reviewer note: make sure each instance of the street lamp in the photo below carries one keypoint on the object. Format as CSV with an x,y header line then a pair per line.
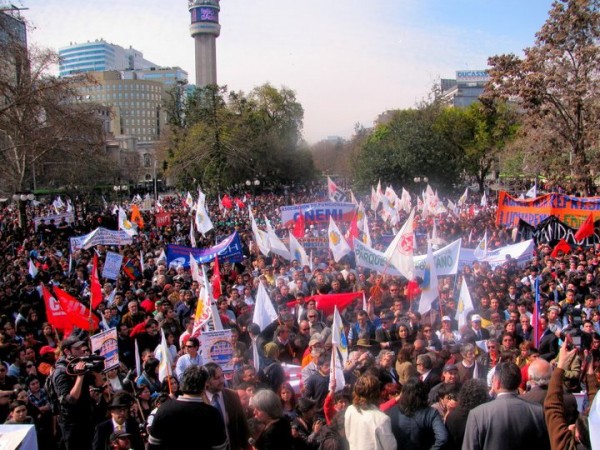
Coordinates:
x,y
417,180
21,199
254,185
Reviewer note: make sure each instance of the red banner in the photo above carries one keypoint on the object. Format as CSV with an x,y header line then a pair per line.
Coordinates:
x,y
163,219
326,302
56,316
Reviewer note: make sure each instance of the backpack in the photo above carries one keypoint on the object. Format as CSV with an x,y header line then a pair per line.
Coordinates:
x,y
50,388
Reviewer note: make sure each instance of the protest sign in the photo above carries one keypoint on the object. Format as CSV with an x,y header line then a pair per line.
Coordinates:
x,y
217,347
101,236
112,265
318,212
229,249
106,344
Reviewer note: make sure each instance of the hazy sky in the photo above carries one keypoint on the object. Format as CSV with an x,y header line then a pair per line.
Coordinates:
x,y
347,60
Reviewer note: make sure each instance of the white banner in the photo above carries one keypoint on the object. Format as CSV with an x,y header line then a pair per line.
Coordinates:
x,y
216,347
112,266
106,344
446,259
102,236
68,216
521,251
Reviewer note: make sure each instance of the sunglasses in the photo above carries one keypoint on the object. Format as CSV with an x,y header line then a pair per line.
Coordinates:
x,y
190,346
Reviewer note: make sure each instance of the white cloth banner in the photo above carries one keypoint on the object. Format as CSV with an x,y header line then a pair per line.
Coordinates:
x,y
521,251
102,236
446,259
112,266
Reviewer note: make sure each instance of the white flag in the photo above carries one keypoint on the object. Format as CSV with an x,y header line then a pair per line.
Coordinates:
x,y
192,234
483,202
429,288
374,199
125,224
138,360
331,189
337,243
264,313
164,368
401,250
481,250
338,337
189,200
465,304
203,222
32,269
142,265
297,252
276,245
216,319
366,234
463,198
532,193
260,237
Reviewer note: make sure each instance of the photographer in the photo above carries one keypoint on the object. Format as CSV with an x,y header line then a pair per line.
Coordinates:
x,y
72,383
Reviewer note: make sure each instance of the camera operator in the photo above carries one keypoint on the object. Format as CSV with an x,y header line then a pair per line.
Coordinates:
x,y
572,335
72,383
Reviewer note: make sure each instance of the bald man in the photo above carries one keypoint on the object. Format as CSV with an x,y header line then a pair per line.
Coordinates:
x,y
540,372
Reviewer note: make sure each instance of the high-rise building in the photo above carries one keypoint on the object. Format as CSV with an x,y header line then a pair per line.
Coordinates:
x,y
465,89
99,55
205,29
136,104
12,27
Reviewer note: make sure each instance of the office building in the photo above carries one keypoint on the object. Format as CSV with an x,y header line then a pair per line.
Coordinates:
x,y
99,55
465,89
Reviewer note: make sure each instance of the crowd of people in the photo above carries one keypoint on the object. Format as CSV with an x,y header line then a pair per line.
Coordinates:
x,y
412,380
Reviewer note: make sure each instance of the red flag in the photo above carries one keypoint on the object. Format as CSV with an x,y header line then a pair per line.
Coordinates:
x,y
561,246
327,302
56,316
76,312
239,203
96,288
352,232
226,201
216,280
586,230
298,230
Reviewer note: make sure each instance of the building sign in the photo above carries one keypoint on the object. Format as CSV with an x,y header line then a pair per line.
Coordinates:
x,y
472,75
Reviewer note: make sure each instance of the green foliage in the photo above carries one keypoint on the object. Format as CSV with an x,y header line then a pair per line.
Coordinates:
x,y
408,145
557,86
226,138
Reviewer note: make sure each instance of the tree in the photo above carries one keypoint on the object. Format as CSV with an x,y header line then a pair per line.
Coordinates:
x,y
479,133
557,86
228,138
408,145
40,121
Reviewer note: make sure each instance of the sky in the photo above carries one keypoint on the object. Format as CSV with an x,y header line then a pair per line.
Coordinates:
x,y
347,60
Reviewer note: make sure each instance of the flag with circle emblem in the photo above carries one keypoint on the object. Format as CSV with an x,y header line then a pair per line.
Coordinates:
x,y
337,243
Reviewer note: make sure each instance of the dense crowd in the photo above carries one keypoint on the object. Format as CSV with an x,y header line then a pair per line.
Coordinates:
x,y
411,380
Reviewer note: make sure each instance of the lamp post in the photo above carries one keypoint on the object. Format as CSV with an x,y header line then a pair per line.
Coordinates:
x,y
419,179
255,184
21,198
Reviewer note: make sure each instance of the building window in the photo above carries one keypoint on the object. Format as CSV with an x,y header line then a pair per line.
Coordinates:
x,y
147,159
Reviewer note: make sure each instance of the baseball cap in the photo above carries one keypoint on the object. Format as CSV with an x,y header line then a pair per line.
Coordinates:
x,y
119,434
475,318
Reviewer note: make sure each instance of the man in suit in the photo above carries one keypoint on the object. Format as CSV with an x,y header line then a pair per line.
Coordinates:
x,y
475,332
119,422
429,375
229,406
508,421
539,373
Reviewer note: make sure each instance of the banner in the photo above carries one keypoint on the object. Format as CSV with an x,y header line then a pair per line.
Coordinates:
x,y
229,250
318,212
101,236
68,216
216,347
446,259
551,230
106,344
522,252
571,210
112,266
162,219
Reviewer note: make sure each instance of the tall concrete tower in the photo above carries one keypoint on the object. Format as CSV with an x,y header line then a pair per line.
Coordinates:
x,y
205,29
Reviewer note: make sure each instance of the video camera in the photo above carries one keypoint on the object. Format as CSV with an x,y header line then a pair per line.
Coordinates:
x,y
93,363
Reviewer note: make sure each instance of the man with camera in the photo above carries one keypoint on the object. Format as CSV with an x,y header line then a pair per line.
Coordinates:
x,y
71,381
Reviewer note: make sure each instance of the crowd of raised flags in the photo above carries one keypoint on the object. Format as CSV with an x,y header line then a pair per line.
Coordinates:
x,y
65,312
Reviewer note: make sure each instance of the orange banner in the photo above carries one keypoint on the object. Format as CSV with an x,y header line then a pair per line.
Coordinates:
x,y
571,210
